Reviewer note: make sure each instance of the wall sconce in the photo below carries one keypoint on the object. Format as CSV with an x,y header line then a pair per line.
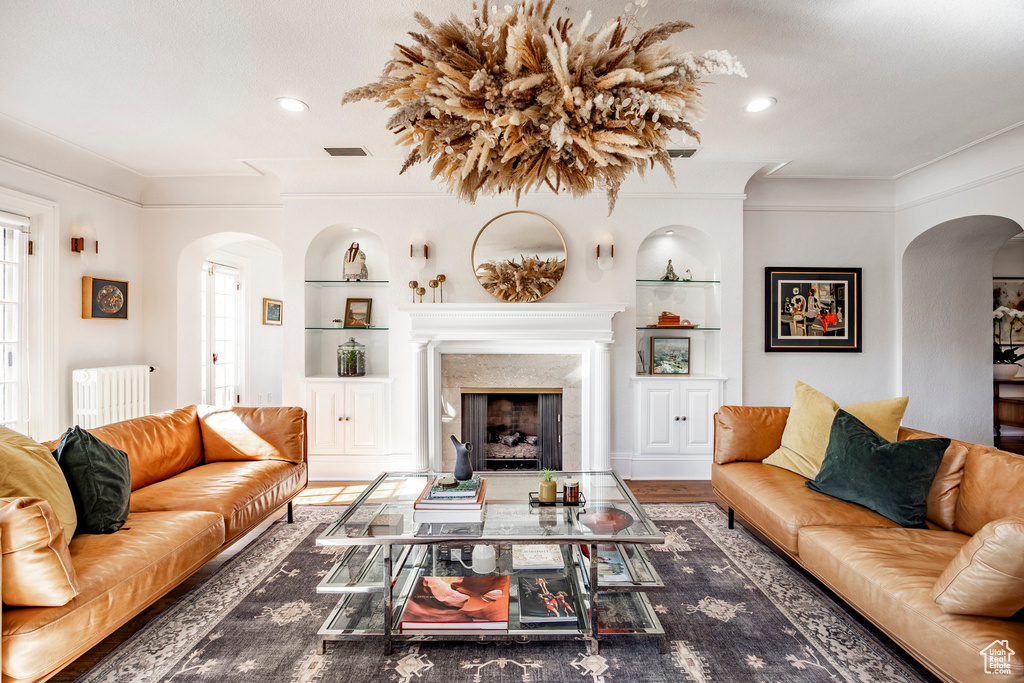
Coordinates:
x,y
78,243
605,253
423,252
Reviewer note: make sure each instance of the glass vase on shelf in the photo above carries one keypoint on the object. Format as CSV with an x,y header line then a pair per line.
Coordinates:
x,y
351,359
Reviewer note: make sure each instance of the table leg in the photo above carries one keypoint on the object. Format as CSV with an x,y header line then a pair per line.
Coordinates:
x,y
387,598
594,643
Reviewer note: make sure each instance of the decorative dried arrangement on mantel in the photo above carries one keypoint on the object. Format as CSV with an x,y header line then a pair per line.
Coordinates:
x,y
529,279
514,102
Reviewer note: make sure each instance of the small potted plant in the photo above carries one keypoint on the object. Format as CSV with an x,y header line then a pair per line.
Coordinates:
x,y
548,485
1004,361
338,322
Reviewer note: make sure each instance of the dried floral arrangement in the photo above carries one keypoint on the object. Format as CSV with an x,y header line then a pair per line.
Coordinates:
x,y
515,102
523,281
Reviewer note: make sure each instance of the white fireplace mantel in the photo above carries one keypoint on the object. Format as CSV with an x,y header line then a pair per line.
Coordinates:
x,y
583,329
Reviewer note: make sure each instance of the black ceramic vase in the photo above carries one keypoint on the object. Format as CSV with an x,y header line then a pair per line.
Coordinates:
x,y
463,466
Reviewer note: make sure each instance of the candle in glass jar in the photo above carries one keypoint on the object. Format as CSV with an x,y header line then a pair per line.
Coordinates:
x,y
571,492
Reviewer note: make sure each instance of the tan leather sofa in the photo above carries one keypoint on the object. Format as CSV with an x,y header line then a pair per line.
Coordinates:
x,y
882,570
200,481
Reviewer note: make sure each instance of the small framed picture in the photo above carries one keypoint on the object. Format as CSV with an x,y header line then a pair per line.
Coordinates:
x,y
1009,293
104,299
812,309
272,312
670,355
357,312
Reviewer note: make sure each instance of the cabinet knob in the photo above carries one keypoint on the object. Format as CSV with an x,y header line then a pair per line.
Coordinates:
x,y
677,418
683,418
346,419
341,419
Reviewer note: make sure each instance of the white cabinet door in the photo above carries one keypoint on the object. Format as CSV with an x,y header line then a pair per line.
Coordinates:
x,y
364,420
324,403
659,417
698,430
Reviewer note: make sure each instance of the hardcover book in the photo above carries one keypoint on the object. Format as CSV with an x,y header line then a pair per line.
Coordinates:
x,y
425,502
547,556
611,566
464,603
545,601
462,489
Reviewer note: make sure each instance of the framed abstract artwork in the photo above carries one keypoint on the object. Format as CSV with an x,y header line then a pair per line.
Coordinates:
x,y
812,309
107,299
1008,293
670,355
273,311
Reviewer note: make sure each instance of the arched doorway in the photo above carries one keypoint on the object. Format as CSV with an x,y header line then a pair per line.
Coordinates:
x,y
947,326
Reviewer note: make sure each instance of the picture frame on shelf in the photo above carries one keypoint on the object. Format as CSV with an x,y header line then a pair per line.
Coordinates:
x,y
815,310
357,313
670,355
104,299
273,312
1008,292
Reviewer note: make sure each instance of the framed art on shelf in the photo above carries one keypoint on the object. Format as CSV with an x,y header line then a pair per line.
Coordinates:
x,y
273,311
106,299
670,355
812,309
1008,292
357,312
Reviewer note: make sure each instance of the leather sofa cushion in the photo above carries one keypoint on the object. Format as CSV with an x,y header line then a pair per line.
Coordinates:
x,y
990,490
945,489
118,575
28,470
778,503
37,568
986,577
252,433
888,574
242,493
745,433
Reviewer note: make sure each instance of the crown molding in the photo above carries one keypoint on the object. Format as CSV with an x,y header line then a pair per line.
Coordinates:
x,y
962,188
818,208
53,176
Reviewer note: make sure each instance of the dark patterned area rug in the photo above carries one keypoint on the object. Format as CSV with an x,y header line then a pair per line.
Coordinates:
x,y
732,609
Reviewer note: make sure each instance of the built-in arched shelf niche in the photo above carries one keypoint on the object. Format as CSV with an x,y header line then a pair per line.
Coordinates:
x,y
696,296
327,293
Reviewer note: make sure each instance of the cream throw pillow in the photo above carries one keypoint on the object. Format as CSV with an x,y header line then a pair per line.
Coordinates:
x,y
29,470
805,438
986,578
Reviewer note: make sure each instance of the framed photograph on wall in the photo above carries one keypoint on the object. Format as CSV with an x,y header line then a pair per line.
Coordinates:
x,y
1008,292
670,355
104,299
357,312
812,309
273,311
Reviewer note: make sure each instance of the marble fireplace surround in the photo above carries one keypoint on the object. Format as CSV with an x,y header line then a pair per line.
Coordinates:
x,y
584,330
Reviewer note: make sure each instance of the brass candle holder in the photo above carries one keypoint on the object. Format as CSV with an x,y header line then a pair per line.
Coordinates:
x,y
413,285
433,284
421,291
440,283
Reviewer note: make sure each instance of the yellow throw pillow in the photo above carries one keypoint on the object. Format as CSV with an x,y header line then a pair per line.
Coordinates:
x,y
29,470
986,578
805,438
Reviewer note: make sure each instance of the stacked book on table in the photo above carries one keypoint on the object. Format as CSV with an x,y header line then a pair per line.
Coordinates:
x,y
463,503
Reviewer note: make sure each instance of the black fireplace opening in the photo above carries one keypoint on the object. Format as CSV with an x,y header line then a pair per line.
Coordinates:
x,y
513,429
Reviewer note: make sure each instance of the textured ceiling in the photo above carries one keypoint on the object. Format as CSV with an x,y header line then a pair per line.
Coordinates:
x,y
187,87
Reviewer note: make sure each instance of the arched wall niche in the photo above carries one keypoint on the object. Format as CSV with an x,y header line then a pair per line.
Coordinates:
x,y
262,263
947,326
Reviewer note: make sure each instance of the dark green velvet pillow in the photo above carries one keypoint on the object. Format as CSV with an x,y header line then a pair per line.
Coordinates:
x,y
892,479
99,479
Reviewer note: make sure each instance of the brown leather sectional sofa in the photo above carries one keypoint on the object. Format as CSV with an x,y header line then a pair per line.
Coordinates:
x,y
884,571
199,483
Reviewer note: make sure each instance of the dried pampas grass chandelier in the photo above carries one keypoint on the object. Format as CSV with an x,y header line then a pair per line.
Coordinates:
x,y
512,102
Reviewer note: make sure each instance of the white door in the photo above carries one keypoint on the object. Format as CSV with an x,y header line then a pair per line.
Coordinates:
x,y
325,404
659,417
364,418
13,305
698,429
221,335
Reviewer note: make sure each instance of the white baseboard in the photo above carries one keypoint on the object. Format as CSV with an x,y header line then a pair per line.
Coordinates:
x,y
669,467
356,467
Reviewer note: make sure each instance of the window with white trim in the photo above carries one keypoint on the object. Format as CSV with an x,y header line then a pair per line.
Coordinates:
x,y
220,334
14,407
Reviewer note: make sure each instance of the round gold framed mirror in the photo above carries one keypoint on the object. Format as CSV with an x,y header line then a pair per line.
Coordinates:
x,y
519,257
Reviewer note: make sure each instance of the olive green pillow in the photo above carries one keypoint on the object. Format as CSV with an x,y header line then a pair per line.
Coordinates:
x,y
28,470
806,436
99,478
891,478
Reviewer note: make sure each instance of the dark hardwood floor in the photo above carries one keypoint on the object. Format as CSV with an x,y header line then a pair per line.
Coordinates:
x,y
335,493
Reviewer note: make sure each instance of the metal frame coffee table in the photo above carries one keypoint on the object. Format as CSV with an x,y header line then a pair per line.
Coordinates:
x,y
378,566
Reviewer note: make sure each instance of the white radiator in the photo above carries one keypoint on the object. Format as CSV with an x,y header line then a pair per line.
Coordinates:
x,y
101,396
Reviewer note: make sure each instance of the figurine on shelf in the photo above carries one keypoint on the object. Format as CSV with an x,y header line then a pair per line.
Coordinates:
x,y
687,277
670,273
355,264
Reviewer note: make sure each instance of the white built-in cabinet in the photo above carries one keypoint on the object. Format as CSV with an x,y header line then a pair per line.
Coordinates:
x,y
676,416
348,417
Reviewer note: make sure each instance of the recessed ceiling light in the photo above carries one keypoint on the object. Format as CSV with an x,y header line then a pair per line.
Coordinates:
x,y
355,229
670,232
760,104
291,104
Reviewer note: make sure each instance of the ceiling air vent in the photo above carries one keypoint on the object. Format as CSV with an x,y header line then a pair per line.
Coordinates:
x,y
682,153
347,151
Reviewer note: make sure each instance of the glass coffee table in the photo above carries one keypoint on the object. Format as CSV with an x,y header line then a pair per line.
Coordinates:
x,y
383,554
